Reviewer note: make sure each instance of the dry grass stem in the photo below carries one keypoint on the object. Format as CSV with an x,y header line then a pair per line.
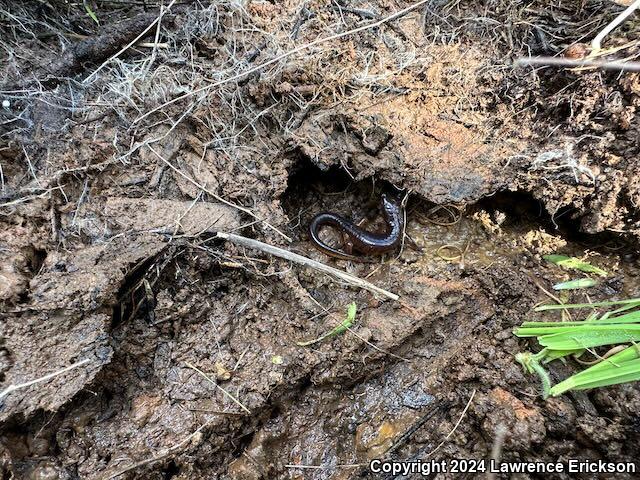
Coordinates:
x,y
571,63
165,452
213,382
596,43
294,257
455,427
133,42
13,388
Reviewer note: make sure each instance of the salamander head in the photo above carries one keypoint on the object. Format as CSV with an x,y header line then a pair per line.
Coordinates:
x,y
390,199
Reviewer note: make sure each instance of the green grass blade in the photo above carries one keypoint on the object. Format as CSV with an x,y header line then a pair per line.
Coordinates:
x,y
545,330
341,328
554,327
610,374
556,258
594,337
575,264
551,355
626,373
628,302
626,318
626,307
90,12
618,326
628,354
576,284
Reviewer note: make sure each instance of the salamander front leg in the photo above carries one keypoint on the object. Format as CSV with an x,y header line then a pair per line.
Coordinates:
x,y
347,245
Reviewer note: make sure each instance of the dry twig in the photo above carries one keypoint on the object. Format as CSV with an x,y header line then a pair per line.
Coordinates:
x,y
294,257
567,62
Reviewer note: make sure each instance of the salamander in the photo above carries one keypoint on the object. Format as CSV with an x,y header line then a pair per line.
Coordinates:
x,y
357,239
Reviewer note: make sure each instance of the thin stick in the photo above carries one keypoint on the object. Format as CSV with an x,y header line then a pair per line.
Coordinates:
x,y
597,41
553,297
207,377
13,388
217,197
29,197
473,394
294,257
567,62
404,438
284,55
133,42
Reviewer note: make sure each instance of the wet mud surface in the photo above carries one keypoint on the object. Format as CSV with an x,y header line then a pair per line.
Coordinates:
x,y
182,351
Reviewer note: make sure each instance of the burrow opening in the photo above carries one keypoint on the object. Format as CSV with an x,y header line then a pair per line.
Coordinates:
x,y
311,190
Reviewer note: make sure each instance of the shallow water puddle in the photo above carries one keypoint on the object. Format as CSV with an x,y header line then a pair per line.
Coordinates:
x,y
478,240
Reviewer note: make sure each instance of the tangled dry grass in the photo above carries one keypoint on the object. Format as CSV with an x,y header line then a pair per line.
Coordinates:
x,y
188,51
235,79
201,45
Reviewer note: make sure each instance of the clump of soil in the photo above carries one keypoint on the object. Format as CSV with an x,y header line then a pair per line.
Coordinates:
x,y
134,343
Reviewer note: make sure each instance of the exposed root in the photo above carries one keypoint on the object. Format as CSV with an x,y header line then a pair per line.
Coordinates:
x,y
563,160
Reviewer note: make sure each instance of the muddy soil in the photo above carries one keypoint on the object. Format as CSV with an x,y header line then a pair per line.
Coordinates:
x,y
135,343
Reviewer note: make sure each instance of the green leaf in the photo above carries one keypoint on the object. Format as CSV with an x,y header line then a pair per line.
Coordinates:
x,y
620,368
576,284
575,264
343,327
90,12
627,318
629,302
594,337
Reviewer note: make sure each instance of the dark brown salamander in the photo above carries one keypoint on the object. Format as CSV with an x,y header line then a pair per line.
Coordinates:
x,y
358,239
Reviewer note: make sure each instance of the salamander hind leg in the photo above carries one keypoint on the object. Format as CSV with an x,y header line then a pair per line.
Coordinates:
x,y
347,245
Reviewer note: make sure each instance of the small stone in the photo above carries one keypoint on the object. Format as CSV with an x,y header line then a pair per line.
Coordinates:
x,y
222,372
577,51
